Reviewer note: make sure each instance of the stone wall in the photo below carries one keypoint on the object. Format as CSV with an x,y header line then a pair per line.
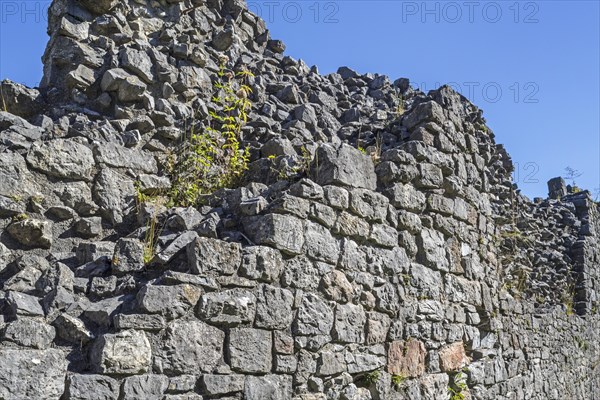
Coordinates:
x,y
377,250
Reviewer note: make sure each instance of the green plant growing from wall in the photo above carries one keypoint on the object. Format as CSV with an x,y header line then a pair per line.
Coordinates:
x,y
458,387
152,231
372,377
398,381
399,107
212,158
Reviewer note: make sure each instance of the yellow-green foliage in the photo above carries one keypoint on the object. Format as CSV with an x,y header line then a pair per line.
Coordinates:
x,y
152,232
212,159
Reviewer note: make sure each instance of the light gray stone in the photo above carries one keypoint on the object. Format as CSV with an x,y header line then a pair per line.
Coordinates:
x,y
250,350
32,374
274,307
128,256
345,166
283,232
349,323
227,308
92,387
145,387
320,244
222,384
189,347
30,333
261,263
137,62
206,255
32,232
315,316
268,387
62,158
168,301
123,353
116,156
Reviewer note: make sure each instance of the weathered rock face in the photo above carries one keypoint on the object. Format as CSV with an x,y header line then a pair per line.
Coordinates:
x,y
368,255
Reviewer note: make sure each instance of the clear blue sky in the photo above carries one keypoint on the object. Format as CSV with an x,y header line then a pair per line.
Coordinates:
x,y
532,66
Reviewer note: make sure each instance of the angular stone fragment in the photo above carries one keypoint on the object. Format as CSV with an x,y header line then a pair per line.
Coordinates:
x,y
72,329
222,384
81,78
406,197
30,333
406,358
32,232
189,347
123,353
62,158
102,312
138,62
206,254
117,156
99,7
432,251
283,232
21,100
368,204
143,322
24,304
274,307
361,359
268,387
424,112
344,166
180,243
114,193
92,387
384,235
320,244
250,350
378,326
88,227
112,79
228,308
349,324
131,89
15,178
169,301
145,387
434,386
336,287
331,363
261,263
453,357
128,256
315,316
32,374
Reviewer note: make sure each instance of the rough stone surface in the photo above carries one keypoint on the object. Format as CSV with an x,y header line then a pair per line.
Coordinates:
x,y
32,374
250,350
406,358
62,158
360,242
190,347
344,166
124,353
